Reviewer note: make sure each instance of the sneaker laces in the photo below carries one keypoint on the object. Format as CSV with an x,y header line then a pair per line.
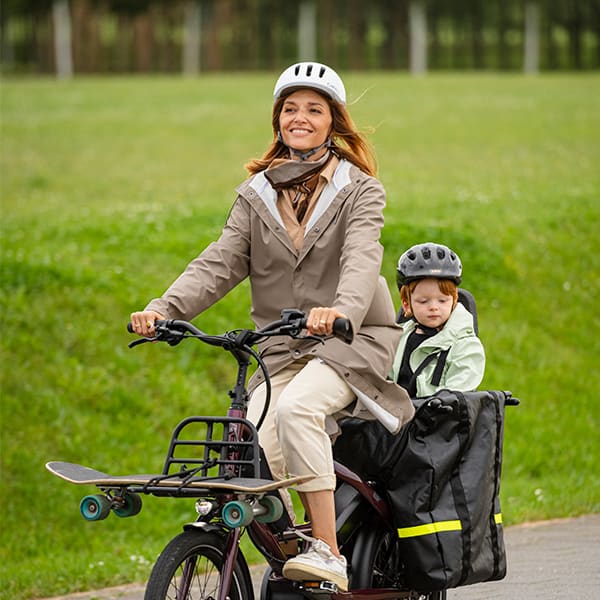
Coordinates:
x,y
319,546
306,538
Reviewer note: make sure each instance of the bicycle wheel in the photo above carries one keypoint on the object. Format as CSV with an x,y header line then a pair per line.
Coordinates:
x,y
375,559
376,562
189,568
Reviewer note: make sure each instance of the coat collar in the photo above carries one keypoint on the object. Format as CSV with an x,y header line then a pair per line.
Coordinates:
x,y
260,186
459,324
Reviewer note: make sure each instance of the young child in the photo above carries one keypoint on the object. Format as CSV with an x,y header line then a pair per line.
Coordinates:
x,y
439,348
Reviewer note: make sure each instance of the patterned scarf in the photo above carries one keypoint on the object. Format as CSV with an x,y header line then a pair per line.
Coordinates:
x,y
301,176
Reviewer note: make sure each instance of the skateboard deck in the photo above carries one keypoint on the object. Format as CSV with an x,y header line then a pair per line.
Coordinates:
x,y
81,475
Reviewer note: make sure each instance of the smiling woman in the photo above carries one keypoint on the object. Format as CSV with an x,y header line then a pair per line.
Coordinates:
x,y
305,230
305,124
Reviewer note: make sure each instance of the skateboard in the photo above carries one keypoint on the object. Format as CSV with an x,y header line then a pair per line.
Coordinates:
x,y
81,475
121,492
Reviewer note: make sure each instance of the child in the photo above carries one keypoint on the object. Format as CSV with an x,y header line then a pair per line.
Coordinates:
x,y
439,348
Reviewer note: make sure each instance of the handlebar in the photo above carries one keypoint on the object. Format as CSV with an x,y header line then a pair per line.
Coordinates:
x,y
239,343
292,323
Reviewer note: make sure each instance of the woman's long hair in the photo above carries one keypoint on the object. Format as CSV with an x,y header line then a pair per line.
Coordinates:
x,y
346,141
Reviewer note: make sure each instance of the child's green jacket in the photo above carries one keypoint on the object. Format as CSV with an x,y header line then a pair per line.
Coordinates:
x,y
465,363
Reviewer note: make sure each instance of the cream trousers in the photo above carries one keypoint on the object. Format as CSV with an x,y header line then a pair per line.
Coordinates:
x,y
293,433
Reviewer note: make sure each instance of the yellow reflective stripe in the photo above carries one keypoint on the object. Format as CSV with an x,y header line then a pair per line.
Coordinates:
x,y
437,527
406,532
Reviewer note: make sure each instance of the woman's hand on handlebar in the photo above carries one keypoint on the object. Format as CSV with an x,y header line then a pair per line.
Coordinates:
x,y
142,322
320,320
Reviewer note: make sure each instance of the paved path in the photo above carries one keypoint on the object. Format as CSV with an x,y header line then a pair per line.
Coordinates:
x,y
550,560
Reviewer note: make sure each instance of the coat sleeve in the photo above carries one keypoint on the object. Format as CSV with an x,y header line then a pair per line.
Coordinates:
x,y
219,268
362,253
466,365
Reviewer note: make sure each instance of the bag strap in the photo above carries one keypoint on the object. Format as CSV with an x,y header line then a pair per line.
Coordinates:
x,y
458,491
497,473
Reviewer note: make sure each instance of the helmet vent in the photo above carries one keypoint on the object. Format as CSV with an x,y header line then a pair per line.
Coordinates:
x,y
426,253
311,75
440,253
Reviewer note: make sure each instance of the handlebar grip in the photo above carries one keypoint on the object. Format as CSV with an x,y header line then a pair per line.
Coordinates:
x,y
156,323
342,329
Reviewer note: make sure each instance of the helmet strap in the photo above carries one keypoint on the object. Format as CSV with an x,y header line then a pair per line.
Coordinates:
x,y
304,155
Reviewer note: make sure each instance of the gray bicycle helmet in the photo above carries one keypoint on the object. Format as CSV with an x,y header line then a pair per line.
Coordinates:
x,y
428,260
312,75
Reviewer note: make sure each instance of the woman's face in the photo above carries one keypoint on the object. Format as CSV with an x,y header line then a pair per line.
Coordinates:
x,y
305,120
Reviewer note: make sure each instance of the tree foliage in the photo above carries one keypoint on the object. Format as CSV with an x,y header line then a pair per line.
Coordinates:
x,y
147,35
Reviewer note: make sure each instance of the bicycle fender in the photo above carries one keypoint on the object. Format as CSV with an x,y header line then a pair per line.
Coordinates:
x,y
203,526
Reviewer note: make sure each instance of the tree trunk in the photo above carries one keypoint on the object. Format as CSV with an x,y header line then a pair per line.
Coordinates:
x,y
328,45
192,28
62,39
356,35
143,41
531,58
307,30
417,22
394,25
477,45
501,27
575,27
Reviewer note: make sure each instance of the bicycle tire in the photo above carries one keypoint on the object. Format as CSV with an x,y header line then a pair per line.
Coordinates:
x,y
206,550
376,562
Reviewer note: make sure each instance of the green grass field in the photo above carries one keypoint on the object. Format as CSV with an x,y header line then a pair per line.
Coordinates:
x,y
109,187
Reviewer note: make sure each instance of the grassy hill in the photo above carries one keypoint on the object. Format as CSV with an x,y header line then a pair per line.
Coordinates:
x,y
110,186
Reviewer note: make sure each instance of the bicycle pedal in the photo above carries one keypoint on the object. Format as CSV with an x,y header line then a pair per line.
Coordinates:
x,y
319,587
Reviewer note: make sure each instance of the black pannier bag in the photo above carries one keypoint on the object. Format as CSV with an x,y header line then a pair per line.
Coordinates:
x,y
442,476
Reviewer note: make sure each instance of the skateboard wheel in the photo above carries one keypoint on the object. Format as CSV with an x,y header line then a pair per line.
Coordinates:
x,y
130,506
95,508
237,514
274,509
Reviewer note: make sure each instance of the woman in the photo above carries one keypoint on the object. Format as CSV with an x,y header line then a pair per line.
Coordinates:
x,y
305,229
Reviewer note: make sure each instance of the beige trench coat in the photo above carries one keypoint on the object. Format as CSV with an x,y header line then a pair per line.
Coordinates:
x,y
338,265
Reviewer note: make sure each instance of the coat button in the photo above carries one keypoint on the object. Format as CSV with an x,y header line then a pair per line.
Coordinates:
x,y
317,230
296,352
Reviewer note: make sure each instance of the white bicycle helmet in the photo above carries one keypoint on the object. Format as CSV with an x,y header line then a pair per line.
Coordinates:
x,y
311,75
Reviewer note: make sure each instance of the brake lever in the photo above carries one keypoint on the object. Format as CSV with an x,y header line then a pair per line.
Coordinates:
x,y
140,341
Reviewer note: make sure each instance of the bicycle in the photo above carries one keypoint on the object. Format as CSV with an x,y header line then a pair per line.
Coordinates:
x,y
210,544
221,466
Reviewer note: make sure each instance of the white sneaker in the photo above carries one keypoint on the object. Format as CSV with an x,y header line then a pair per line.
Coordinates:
x,y
318,564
